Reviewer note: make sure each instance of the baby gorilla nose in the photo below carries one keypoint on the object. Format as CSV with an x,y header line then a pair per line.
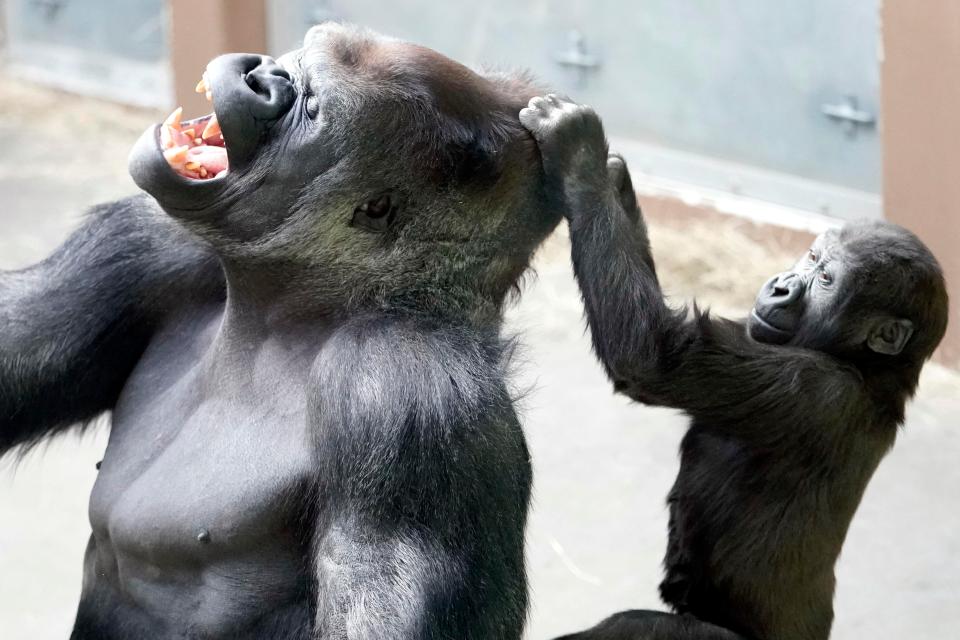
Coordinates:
x,y
786,288
778,308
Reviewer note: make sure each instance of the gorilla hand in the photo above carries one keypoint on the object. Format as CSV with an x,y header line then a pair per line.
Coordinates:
x,y
572,145
623,186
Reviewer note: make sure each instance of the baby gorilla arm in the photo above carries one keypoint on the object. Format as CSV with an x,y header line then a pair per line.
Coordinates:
x,y
651,352
423,486
73,326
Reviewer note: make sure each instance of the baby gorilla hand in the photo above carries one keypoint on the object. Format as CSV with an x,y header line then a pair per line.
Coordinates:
x,y
571,141
623,186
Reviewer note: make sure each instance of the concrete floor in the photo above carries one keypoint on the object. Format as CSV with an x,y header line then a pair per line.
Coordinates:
x,y
603,466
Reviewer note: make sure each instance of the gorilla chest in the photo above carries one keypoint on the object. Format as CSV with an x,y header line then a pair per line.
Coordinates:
x,y
205,465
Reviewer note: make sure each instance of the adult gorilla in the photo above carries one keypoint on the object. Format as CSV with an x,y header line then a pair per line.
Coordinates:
x,y
311,435
791,413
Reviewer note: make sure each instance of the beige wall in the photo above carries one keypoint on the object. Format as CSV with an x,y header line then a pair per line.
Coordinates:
x,y
920,99
204,29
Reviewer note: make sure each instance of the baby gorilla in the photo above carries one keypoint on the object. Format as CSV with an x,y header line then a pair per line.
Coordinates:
x,y
312,434
790,413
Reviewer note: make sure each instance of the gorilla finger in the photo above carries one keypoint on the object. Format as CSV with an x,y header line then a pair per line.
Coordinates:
x,y
616,160
538,103
530,117
616,169
623,183
555,100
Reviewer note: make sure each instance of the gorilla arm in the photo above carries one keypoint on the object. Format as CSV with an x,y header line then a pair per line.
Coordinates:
x,y
657,355
418,445
73,326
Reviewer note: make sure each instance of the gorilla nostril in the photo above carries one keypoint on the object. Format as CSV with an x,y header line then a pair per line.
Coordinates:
x,y
254,81
265,82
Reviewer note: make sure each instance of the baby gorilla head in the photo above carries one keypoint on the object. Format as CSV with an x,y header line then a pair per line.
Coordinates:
x,y
368,170
868,291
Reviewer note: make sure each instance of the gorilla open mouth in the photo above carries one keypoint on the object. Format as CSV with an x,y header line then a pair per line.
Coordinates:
x,y
194,149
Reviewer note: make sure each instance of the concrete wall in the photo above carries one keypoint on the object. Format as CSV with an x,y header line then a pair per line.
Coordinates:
x,y
920,96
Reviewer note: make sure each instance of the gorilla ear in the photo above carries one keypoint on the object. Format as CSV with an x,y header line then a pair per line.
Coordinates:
x,y
890,336
375,215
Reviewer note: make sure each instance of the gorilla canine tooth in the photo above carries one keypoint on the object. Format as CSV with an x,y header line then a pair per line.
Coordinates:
x,y
193,165
212,128
176,155
173,120
166,136
209,96
202,85
203,172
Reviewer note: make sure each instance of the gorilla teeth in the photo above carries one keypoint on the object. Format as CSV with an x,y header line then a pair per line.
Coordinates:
x,y
204,87
176,155
173,120
212,129
166,136
190,152
194,149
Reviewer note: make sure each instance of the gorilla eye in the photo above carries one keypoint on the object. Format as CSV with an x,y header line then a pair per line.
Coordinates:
x,y
312,106
375,215
825,277
812,255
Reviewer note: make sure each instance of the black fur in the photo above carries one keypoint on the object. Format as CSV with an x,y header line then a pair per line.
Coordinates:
x,y
74,325
783,439
422,459
652,625
311,432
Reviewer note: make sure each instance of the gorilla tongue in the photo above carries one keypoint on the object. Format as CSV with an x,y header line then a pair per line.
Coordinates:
x,y
194,149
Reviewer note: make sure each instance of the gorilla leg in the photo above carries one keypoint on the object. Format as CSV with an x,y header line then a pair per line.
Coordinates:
x,y
653,625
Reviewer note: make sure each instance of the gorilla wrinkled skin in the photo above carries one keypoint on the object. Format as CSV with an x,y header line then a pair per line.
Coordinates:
x,y
790,413
297,334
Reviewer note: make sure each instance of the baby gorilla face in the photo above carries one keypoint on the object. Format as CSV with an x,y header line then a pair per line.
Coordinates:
x,y
792,302
868,289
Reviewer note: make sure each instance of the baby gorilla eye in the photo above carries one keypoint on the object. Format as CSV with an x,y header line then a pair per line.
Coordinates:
x,y
825,277
812,255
